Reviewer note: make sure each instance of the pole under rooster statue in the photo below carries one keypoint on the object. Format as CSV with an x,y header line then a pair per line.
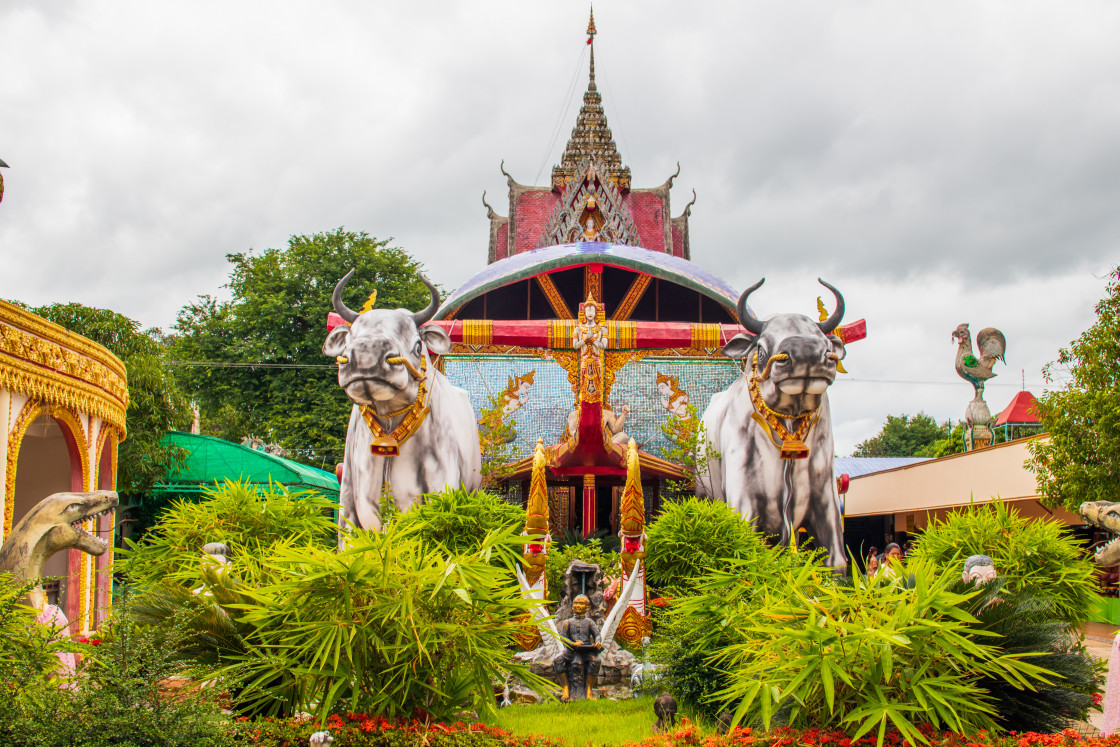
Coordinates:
x,y
990,344
635,623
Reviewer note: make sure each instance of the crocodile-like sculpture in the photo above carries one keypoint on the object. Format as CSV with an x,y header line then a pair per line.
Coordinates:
x,y
54,524
1106,515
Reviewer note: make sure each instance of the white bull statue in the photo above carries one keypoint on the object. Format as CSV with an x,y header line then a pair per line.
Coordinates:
x,y
773,430
410,429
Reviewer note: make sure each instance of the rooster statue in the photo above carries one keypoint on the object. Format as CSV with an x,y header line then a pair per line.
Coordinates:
x,y
976,370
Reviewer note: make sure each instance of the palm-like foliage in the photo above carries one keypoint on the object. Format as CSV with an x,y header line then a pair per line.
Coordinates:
x,y
693,537
1027,625
458,520
874,655
246,518
1031,555
387,625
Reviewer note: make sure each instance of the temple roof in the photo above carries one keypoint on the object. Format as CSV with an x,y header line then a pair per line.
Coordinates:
x,y
550,258
591,138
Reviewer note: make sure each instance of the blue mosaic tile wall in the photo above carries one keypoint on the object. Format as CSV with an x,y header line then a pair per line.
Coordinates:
x,y
544,410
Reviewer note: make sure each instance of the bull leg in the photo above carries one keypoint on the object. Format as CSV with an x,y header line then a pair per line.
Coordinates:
x,y
824,523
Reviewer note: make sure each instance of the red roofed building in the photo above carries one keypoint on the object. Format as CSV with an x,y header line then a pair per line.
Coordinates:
x,y
1020,411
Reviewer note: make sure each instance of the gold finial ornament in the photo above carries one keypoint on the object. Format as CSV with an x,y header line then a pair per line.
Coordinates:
x,y
536,518
369,302
632,507
536,508
591,26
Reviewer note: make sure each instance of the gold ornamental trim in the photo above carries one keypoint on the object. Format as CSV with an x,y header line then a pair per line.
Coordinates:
x,y
707,335
26,417
633,627
478,331
43,361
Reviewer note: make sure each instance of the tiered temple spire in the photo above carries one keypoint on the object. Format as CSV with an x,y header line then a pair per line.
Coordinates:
x,y
591,138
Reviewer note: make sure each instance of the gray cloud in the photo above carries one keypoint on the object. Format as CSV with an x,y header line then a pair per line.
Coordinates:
x,y
944,161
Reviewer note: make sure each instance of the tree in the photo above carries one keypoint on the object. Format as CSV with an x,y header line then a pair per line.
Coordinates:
x,y
156,403
905,436
690,448
1081,459
276,318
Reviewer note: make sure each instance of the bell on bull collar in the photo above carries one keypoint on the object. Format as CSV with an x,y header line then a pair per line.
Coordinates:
x,y
384,446
794,448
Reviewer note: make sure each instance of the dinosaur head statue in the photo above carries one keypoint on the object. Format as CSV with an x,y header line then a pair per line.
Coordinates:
x,y
1105,515
54,524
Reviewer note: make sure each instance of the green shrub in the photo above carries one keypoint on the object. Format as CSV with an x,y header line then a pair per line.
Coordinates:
x,y
874,655
459,520
390,626
247,518
1031,555
696,623
693,537
1027,625
559,557
118,695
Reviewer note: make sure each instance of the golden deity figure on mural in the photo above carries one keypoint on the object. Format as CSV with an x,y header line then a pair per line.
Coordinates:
x,y
590,339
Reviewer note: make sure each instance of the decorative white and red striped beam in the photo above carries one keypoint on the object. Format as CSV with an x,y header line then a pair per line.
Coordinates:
x,y
557,333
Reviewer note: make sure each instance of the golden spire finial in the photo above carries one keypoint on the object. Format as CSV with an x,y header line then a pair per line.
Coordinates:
x,y
536,508
632,507
591,41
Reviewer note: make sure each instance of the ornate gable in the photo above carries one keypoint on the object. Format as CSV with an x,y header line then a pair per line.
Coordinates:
x,y
590,209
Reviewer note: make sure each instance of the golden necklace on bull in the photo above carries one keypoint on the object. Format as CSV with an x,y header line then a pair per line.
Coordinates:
x,y
791,445
389,444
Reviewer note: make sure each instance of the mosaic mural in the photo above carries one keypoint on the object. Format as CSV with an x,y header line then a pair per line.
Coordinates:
x,y
652,387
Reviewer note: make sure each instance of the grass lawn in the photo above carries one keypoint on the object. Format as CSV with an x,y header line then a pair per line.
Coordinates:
x,y
582,722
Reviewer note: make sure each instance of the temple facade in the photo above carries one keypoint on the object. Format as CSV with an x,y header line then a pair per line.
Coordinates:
x,y
590,326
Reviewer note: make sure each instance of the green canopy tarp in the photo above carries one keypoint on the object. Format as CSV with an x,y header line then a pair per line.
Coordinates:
x,y
211,460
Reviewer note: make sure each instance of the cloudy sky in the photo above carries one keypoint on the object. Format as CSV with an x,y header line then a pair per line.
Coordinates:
x,y
941,162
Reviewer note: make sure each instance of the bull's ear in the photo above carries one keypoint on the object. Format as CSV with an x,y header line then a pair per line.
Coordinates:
x,y
838,346
739,345
335,344
436,338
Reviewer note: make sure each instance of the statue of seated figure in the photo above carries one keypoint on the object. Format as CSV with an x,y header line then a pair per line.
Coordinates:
x,y
578,664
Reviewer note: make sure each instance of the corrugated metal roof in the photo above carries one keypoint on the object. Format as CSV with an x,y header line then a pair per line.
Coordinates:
x,y
858,466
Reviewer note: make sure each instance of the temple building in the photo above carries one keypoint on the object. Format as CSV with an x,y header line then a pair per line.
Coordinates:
x,y
590,325
62,400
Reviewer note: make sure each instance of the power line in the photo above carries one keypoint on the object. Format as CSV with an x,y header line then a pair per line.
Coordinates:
x,y
227,364
563,112
846,379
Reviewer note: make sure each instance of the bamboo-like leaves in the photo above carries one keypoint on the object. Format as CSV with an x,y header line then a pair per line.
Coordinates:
x,y
391,625
877,655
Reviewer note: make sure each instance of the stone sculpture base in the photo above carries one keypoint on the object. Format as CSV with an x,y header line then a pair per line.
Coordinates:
x,y
615,667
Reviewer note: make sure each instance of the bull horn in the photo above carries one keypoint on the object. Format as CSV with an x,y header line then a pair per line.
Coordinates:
x,y
340,308
831,323
746,318
423,316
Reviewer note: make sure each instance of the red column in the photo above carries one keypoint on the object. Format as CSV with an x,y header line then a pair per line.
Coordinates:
x,y
588,505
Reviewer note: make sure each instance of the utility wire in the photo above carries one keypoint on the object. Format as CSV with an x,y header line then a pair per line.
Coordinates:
x,y
563,114
323,366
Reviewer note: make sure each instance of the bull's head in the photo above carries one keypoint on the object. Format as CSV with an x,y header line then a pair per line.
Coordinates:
x,y
379,354
796,356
